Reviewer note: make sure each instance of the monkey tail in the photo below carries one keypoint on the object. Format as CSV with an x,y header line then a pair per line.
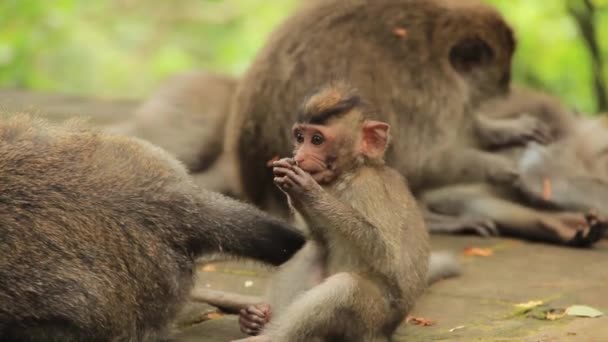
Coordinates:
x,y
247,231
226,301
442,265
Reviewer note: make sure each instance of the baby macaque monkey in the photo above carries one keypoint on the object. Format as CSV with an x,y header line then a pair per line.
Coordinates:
x,y
367,258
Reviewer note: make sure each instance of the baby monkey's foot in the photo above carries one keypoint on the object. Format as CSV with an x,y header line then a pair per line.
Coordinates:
x,y
253,318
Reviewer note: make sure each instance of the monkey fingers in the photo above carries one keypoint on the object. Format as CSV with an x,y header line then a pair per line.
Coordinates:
x,y
283,176
285,163
597,229
280,171
284,183
253,318
573,229
531,129
513,131
294,178
502,173
303,179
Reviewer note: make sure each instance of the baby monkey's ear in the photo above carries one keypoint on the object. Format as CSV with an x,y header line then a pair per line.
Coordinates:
x,y
375,138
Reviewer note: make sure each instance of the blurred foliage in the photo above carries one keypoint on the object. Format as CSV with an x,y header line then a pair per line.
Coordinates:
x,y
126,47
551,54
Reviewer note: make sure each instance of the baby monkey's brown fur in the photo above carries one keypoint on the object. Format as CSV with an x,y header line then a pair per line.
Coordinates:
x,y
367,260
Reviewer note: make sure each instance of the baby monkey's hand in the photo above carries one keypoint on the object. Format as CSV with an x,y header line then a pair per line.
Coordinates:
x,y
291,179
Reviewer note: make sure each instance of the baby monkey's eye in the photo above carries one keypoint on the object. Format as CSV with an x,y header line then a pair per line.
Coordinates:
x,y
317,139
299,137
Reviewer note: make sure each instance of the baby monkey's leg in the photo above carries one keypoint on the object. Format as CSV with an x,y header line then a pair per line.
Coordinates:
x,y
343,307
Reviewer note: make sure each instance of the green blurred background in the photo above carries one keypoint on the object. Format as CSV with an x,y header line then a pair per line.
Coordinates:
x,y
125,48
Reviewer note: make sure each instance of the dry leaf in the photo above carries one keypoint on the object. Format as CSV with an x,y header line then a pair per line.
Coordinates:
x,y
531,309
555,314
419,321
213,315
248,283
549,314
583,311
275,158
209,268
400,32
547,189
457,328
529,305
476,251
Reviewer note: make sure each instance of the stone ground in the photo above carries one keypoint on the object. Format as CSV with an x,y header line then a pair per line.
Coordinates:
x,y
480,305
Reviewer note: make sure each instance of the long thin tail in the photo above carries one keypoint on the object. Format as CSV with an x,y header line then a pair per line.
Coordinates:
x,y
226,301
442,264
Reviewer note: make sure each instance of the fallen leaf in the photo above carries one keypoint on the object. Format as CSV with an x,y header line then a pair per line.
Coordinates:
x,y
209,268
248,283
546,189
530,308
457,328
476,251
583,311
400,32
546,313
275,158
213,315
529,305
555,314
419,321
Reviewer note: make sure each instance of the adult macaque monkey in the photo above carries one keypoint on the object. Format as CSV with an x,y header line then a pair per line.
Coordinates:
x,y
186,116
564,182
99,234
570,174
367,260
425,64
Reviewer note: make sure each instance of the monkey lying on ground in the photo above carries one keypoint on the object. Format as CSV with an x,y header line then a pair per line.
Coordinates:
x,y
426,65
571,174
100,233
186,117
574,165
367,259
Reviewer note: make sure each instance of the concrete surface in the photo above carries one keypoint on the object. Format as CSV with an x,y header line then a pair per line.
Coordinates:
x,y
480,304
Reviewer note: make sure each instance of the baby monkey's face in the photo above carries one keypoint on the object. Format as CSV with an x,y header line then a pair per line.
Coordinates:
x,y
315,150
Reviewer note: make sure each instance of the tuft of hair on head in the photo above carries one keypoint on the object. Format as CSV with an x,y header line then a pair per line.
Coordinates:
x,y
331,100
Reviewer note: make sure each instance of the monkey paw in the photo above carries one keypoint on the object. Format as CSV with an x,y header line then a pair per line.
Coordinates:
x,y
528,128
292,179
597,227
253,318
520,131
503,171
